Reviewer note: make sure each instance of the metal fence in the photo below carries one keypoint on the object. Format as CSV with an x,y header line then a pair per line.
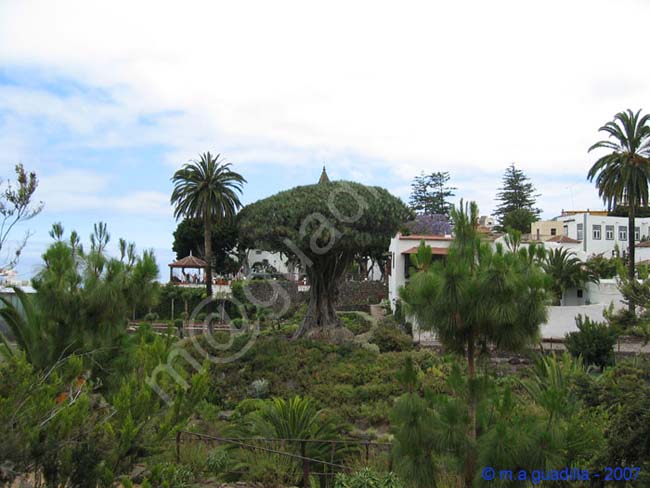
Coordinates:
x,y
354,450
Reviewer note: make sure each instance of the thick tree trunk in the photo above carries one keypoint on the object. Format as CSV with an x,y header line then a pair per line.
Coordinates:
x,y
324,277
207,242
630,252
470,459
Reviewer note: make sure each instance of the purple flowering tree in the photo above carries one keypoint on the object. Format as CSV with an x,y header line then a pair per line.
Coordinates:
x,y
432,224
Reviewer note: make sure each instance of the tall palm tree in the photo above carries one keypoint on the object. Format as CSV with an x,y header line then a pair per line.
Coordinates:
x,y
209,190
622,175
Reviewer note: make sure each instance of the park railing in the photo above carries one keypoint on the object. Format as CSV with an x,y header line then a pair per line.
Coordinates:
x,y
337,455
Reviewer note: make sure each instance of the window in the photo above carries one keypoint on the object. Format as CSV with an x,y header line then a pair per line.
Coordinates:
x,y
581,235
609,232
622,233
553,232
579,293
637,233
596,232
566,230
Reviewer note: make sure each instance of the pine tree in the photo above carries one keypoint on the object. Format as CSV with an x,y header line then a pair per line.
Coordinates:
x,y
430,193
516,194
477,297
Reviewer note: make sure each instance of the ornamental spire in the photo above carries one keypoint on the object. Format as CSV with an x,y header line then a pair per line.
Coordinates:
x,y
323,177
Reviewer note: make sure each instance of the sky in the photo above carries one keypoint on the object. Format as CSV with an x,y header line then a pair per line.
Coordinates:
x,y
105,100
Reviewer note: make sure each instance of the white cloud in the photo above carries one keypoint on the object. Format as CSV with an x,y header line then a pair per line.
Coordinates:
x,y
78,191
464,84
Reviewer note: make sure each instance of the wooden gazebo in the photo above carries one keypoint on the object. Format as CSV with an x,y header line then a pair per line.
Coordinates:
x,y
190,262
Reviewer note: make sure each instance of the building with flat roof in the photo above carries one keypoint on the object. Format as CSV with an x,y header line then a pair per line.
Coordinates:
x,y
597,232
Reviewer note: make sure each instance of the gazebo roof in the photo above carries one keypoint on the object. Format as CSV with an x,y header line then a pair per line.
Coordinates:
x,y
189,262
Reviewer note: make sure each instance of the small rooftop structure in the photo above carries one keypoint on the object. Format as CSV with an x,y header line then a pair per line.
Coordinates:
x,y
190,262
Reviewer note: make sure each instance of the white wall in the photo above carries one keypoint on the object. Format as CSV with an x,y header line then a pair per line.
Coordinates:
x,y
641,254
398,245
562,320
276,259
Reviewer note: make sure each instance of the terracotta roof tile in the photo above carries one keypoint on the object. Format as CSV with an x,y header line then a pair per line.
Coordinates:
x,y
189,262
425,237
563,240
438,251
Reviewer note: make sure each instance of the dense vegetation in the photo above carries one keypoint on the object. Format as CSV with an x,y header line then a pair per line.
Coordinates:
x,y
87,399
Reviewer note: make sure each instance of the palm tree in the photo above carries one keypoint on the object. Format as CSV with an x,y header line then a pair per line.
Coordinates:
x,y
566,271
622,175
289,422
208,190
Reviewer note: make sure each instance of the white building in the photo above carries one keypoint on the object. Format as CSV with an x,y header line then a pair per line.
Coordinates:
x,y
597,232
258,259
487,221
400,249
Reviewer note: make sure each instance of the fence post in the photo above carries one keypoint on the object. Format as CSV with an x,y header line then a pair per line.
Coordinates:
x,y
178,446
331,468
367,451
305,464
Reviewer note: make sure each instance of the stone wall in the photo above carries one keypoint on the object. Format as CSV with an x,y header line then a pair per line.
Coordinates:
x,y
353,295
278,295
359,295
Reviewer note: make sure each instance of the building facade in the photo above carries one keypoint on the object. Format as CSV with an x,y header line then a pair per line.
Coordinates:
x,y
399,261
597,232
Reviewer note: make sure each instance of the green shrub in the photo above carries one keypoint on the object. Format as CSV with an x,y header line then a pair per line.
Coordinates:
x,y
594,341
367,478
356,323
151,317
391,339
398,314
167,475
218,460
